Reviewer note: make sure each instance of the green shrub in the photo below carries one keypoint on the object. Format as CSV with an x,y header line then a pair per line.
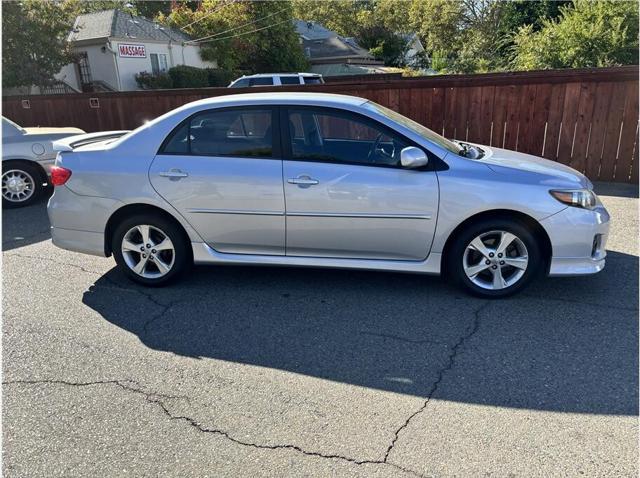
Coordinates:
x,y
149,81
219,77
184,76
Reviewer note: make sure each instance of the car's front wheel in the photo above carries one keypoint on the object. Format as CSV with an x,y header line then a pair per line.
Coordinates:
x,y
494,258
22,183
151,250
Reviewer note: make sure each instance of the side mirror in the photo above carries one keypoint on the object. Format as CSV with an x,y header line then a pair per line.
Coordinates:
x,y
412,158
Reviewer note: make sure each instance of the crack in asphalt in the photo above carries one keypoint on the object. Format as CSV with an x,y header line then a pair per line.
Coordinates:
x,y
70,264
157,399
440,375
116,286
404,339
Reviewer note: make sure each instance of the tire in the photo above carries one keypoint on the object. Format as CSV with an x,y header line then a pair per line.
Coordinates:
x,y
175,256
497,276
22,183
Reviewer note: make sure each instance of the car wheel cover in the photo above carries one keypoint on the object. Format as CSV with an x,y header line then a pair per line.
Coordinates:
x,y
495,260
148,251
17,185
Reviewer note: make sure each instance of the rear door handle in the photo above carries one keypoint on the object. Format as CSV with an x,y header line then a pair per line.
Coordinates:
x,y
303,181
173,173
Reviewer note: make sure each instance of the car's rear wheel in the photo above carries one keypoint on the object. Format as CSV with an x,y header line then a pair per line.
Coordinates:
x,y
22,183
151,249
494,258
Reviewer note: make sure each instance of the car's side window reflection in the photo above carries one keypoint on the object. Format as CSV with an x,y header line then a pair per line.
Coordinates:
x,y
340,137
234,132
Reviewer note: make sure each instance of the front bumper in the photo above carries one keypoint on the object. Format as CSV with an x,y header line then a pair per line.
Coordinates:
x,y
578,240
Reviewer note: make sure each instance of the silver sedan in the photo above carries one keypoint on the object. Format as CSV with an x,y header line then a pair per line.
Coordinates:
x,y
308,179
27,157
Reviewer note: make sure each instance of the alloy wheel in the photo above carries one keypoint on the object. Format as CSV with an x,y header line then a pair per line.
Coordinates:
x,y
17,185
495,260
148,251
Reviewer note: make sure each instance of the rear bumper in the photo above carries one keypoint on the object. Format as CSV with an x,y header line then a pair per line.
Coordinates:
x,y
47,164
78,222
578,240
78,241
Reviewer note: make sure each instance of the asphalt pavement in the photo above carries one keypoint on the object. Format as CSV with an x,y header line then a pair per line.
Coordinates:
x,y
262,371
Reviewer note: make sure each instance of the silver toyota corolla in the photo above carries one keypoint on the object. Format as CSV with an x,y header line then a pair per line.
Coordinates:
x,y
309,179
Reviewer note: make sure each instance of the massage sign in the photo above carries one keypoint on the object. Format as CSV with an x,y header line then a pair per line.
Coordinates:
x,y
131,51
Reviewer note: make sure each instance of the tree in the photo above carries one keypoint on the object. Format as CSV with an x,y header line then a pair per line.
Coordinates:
x,y
145,8
251,36
587,34
438,23
214,22
34,46
341,16
276,49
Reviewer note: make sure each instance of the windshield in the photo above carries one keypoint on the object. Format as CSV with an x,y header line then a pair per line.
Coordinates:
x,y
415,127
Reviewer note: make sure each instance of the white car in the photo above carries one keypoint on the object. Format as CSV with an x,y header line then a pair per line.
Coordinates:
x,y
277,79
27,158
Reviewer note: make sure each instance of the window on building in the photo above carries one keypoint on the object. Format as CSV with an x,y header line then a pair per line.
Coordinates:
x,y
158,63
83,68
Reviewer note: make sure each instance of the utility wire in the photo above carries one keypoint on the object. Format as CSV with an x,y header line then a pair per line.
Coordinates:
x,y
217,8
236,28
246,33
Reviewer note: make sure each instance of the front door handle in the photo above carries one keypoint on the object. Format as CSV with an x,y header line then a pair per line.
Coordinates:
x,y
303,181
173,173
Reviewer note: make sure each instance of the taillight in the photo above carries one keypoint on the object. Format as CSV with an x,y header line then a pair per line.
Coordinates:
x,y
59,175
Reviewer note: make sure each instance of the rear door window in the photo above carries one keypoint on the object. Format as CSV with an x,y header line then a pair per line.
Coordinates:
x,y
229,132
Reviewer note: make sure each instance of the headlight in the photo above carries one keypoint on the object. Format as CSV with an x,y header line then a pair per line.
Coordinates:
x,y
583,198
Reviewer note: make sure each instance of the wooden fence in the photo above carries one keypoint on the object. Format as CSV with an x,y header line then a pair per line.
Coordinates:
x,y
586,118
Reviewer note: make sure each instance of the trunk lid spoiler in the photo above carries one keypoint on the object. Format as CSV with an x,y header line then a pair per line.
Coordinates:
x,y
71,142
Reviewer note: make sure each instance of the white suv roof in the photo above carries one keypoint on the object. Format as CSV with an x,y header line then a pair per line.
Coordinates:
x,y
263,75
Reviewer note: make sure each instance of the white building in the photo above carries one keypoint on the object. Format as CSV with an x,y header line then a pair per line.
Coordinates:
x,y
113,46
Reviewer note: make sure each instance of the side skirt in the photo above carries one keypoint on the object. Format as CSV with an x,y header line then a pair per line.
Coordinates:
x,y
203,254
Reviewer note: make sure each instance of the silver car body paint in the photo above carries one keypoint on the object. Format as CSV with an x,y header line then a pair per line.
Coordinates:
x,y
357,216
32,144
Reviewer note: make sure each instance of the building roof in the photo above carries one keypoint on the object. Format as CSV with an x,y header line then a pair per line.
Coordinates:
x,y
322,44
312,30
118,24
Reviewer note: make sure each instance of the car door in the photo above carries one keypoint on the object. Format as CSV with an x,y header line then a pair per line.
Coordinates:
x,y
347,195
222,170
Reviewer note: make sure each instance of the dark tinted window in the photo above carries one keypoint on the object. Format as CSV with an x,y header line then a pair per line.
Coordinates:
x,y
289,80
241,83
178,142
241,132
313,80
341,137
262,81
